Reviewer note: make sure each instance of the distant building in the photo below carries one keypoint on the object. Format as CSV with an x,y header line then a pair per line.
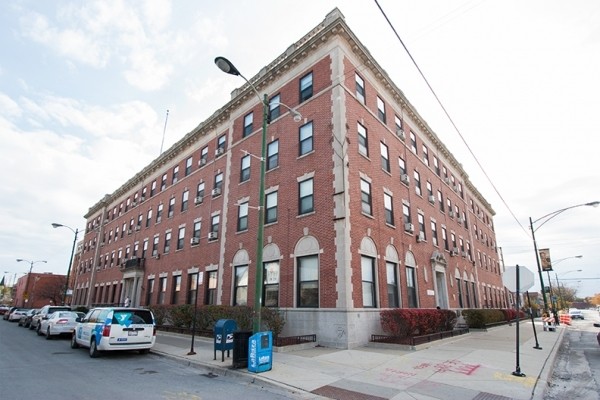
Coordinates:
x,y
366,208
35,290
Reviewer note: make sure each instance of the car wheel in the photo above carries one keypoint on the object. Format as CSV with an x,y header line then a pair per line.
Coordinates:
x,y
74,344
39,330
144,351
94,353
48,337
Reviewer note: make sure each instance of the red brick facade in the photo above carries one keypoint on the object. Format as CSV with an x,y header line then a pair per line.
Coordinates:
x,y
346,229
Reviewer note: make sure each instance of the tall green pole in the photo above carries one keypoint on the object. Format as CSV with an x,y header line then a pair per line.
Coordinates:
x,y
258,284
539,265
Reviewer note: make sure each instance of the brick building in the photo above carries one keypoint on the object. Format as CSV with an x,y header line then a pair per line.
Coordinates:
x,y
365,208
35,290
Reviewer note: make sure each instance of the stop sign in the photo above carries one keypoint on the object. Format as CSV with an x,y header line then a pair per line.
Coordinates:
x,y
526,279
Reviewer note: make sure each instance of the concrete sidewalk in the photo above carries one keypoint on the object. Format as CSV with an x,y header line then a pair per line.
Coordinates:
x,y
478,365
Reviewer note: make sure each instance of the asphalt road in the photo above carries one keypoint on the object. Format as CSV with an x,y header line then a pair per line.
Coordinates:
x,y
34,368
576,372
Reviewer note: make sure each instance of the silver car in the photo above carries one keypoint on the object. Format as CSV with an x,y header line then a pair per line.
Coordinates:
x,y
58,323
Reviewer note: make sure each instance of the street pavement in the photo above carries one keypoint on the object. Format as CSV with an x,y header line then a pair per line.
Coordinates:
x,y
481,365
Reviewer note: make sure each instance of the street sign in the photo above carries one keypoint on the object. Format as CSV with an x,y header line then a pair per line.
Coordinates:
x,y
526,279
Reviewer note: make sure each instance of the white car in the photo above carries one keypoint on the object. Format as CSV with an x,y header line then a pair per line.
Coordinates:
x,y
115,328
58,323
576,314
17,314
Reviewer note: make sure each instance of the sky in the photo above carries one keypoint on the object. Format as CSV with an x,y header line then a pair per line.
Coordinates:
x,y
85,87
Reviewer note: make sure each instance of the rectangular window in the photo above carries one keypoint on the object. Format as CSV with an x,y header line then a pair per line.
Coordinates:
x,y
392,285
460,293
434,237
413,142
242,220
305,197
162,283
474,296
271,284
274,107
365,197
221,145
171,209
425,155
203,156
271,208
144,250
436,165
149,218
402,166
406,214
385,158
153,188
218,184
185,197
418,183
363,141
248,120
421,222
175,176
211,288
149,291
430,192
188,166
360,89
163,182
240,286
380,109
196,231
411,288
445,239
388,204
176,289
308,281
200,192
180,238
272,154
167,247
440,200
306,87
192,291
155,246
214,225
245,168
306,138
368,281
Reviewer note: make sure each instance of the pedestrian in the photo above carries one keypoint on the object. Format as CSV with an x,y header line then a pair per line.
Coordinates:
x,y
127,301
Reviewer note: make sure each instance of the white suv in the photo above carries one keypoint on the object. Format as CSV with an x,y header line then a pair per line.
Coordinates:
x,y
115,328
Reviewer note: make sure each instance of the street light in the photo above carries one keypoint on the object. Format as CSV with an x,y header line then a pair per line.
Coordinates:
x,y
76,232
545,219
26,291
227,66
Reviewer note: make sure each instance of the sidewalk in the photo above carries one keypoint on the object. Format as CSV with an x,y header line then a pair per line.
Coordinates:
x,y
477,366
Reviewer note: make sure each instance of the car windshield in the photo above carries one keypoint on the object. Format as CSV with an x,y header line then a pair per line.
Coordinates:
x,y
65,314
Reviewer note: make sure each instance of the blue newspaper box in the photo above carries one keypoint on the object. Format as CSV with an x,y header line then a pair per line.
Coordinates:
x,y
260,352
223,336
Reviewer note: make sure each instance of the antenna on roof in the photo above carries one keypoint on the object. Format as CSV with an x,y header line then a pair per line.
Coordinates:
x,y
164,131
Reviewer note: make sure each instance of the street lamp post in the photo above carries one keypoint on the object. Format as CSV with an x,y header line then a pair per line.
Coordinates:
x,y
76,232
227,66
26,291
543,220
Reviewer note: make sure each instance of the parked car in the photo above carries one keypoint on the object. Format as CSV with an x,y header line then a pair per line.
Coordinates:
x,y
58,323
25,320
576,314
7,313
44,312
4,309
16,314
115,328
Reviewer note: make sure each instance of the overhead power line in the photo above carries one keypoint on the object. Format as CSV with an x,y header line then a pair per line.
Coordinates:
x,y
449,117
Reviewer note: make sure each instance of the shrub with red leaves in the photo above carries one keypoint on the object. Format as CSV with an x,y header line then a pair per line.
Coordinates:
x,y
407,322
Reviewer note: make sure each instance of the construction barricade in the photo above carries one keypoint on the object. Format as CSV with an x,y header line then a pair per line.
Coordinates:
x,y
549,324
565,319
